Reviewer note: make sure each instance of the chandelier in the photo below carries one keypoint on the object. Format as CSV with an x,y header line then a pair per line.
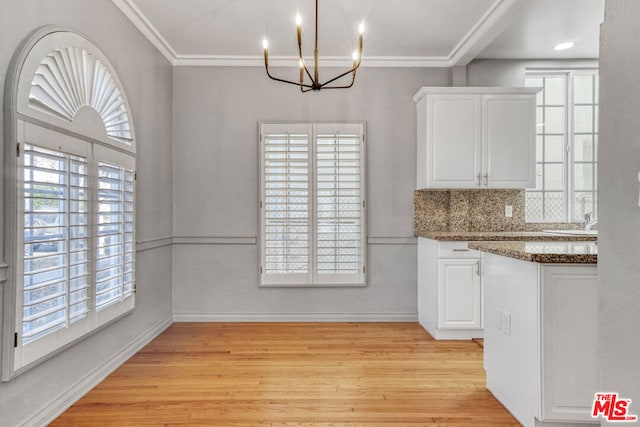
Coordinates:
x,y
307,81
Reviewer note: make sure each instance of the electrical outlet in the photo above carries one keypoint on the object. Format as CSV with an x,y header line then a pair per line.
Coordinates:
x,y
506,323
508,211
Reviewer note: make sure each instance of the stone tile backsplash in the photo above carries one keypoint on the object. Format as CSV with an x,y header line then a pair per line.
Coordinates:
x,y
473,210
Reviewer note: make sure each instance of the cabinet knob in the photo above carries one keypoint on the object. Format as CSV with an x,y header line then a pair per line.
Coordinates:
x,y
478,179
486,179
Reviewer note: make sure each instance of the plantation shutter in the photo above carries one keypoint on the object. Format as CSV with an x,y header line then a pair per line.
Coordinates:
x,y
54,242
286,204
340,204
114,245
312,204
115,238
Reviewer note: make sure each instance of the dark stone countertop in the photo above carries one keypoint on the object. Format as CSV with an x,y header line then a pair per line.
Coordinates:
x,y
546,252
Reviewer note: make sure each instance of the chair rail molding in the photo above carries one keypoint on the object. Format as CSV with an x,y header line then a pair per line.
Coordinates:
x,y
153,243
3,272
392,240
215,240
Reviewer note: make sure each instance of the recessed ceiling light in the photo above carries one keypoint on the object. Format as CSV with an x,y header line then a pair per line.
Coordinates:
x,y
564,46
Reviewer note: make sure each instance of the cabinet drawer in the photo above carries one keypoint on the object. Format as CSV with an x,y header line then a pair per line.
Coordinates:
x,y
456,250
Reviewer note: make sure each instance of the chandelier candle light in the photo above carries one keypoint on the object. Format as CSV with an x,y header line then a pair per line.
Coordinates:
x,y
314,84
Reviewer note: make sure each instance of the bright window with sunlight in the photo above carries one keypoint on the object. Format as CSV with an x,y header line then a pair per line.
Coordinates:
x,y
566,148
75,255
71,190
56,258
312,204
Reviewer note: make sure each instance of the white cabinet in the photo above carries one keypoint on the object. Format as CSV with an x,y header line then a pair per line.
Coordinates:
x,y
541,350
449,289
452,141
508,142
476,137
459,300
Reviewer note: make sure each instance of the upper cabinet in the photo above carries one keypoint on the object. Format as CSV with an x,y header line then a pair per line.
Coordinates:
x,y
476,137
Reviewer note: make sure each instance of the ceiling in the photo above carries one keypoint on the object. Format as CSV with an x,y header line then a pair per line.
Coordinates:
x,y
544,23
398,33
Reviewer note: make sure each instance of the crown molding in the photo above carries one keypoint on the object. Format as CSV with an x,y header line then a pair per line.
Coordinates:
x,y
489,26
145,26
291,61
496,18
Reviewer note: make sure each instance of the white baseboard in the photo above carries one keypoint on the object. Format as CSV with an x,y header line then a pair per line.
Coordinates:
x,y
57,406
295,317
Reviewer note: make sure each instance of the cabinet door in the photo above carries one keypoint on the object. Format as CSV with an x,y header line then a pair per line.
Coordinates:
x,y
453,134
459,294
508,141
569,341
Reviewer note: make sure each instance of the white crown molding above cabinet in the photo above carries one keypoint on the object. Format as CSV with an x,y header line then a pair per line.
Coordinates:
x,y
479,90
498,16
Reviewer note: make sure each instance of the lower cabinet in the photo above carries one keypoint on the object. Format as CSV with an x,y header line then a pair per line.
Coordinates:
x,y
449,289
459,297
541,351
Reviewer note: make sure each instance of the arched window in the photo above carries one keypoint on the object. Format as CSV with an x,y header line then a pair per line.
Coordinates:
x,y
70,217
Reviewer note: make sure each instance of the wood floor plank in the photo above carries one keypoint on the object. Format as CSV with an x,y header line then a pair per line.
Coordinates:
x,y
295,374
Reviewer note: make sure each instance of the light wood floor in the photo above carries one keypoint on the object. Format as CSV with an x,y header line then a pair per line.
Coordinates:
x,y
295,374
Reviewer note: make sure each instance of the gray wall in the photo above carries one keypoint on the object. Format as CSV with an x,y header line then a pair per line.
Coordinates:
x,y
619,214
511,72
217,111
147,79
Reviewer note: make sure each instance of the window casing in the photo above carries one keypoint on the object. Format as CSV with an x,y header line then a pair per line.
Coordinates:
x,y
566,148
312,205
69,198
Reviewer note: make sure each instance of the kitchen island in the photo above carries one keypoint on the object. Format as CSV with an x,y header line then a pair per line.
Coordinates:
x,y
540,335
